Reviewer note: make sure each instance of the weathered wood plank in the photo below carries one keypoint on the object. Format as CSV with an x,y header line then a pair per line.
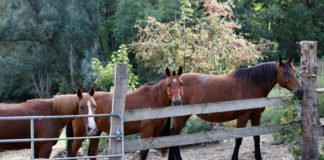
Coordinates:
x,y
179,140
320,90
172,111
308,70
116,146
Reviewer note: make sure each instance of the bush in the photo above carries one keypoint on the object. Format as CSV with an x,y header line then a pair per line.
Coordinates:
x,y
195,124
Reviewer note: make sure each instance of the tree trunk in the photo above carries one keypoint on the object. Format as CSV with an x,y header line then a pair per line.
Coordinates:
x,y
71,66
310,120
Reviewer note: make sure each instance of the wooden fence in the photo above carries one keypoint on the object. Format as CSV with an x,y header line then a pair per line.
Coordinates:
x,y
160,142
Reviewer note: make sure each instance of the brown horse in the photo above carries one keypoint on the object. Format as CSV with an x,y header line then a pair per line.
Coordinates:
x,y
253,82
44,128
164,92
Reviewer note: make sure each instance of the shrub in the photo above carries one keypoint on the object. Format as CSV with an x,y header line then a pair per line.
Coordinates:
x,y
195,124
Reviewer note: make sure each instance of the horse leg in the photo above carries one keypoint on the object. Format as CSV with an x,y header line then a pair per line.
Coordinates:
x,y
177,125
255,121
93,146
36,153
241,122
79,130
147,131
76,145
44,151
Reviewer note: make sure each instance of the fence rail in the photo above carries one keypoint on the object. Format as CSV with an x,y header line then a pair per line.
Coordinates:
x,y
12,118
173,111
195,138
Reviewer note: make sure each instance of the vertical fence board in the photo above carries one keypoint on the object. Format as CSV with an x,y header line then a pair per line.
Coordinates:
x,y
310,120
116,145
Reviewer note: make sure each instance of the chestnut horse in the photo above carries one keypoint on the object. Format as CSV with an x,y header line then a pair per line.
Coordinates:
x,y
246,83
44,128
162,93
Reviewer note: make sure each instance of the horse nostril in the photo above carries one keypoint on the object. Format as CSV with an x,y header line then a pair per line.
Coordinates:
x,y
176,103
88,129
299,93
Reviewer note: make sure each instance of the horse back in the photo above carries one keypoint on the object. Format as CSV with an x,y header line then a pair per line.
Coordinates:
x,y
202,88
21,128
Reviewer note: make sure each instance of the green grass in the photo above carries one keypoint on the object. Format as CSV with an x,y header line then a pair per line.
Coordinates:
x,y
195,124
320,99
320,84
271,114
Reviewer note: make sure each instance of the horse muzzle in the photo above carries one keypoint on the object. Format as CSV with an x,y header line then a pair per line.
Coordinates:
x,y
299,93
92,131
176,103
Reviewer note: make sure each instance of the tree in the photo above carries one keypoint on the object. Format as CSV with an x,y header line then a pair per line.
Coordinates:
x,y
104,75
284,22
44,43
200,45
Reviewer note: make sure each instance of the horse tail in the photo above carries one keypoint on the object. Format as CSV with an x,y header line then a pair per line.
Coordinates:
x,y
69,133
166,132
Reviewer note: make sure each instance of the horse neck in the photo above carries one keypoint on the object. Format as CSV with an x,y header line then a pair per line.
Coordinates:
x,y
148,96
65,105
265,88
256,88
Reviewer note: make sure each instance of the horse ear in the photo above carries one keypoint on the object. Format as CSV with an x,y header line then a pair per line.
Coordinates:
x,y
167,72
79,93
280,60
289,59
179,71
92,91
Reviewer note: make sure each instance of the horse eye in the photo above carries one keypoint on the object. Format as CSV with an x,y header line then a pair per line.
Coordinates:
x,y
168,85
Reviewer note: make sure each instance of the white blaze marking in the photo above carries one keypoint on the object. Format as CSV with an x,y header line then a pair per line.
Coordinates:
x,y
91,122
174,80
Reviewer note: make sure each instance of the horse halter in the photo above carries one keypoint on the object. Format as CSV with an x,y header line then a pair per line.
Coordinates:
x,y
176,90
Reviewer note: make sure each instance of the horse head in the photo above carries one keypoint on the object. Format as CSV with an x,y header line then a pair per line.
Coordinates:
x,y
87,106
174,86
286,77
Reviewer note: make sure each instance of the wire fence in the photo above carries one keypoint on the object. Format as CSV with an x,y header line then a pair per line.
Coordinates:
x,y
34,139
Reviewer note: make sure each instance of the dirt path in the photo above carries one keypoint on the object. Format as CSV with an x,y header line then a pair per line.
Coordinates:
x,y
23,154
212,151
223,151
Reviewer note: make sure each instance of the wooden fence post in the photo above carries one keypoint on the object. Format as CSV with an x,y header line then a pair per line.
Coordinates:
x,y
116,145
310,120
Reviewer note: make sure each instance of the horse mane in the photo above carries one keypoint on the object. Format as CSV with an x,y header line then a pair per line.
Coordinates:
x,y
65,104
263,73
161,77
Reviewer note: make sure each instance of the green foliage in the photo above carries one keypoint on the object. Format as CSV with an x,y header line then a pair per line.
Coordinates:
x,y
284,22
41,45
104,75
320,84
118,24
273,114
320,108
209,43
270,115
290,134
321,157
194,125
